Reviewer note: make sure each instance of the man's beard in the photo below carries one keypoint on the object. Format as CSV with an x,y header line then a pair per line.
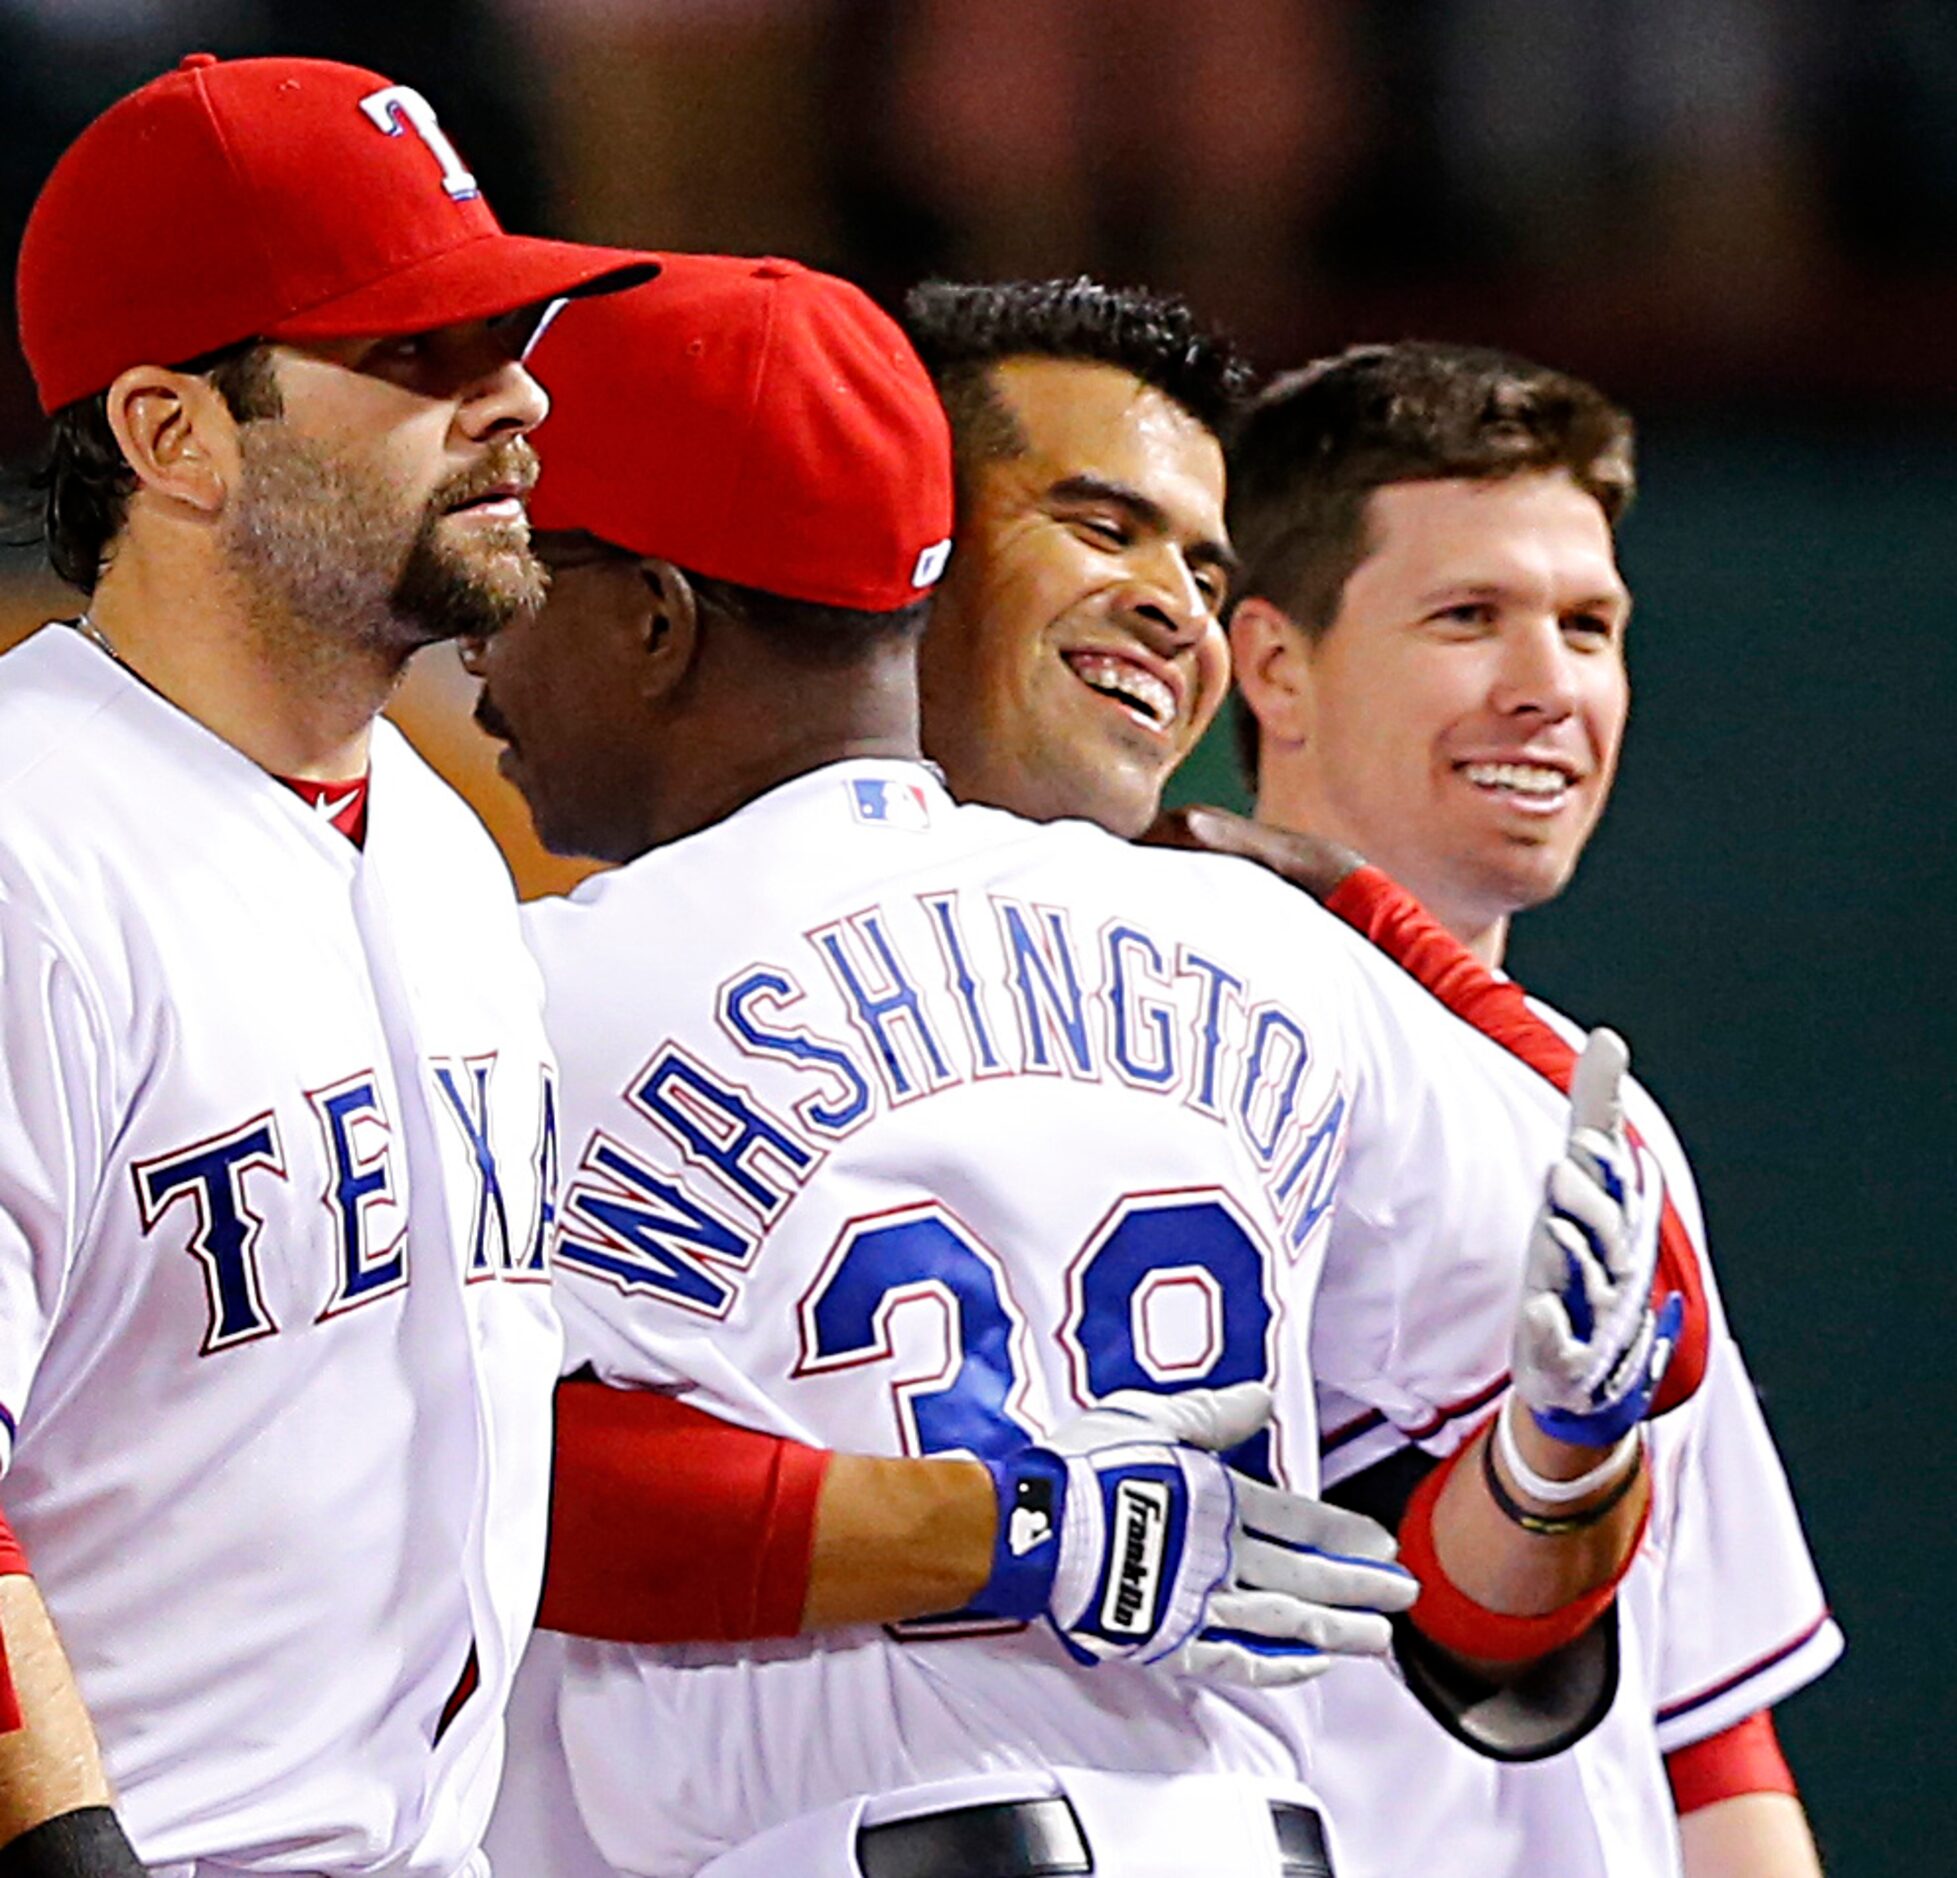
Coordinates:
x,y
324,539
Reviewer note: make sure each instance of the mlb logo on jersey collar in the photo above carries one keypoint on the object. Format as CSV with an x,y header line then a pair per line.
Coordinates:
x,y
883,804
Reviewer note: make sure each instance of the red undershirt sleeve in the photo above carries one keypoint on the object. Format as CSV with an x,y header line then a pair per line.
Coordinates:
x,y
1745,1758
1449,1617
13,1564
1403,929
669,1525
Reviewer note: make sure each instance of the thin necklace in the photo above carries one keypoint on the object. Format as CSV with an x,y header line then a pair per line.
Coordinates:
x,y
96,636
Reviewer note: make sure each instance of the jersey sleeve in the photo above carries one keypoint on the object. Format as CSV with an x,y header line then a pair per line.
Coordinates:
x,y
53,1140
1451,1139
1497,1008
1744,1620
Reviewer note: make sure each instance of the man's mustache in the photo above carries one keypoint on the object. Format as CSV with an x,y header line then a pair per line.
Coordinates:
x,y
508,464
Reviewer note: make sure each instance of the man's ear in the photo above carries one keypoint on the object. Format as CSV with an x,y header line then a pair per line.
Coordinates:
x,y
177,433
1270,656
668,625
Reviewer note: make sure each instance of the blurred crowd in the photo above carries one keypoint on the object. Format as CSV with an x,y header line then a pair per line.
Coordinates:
x,y
1749,200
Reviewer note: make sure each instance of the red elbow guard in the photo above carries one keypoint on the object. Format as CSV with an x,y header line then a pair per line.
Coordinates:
x,y
669,1525
1745,1758
1449,1617
1497,1007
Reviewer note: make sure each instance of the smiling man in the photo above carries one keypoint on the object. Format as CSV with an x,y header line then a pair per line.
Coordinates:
x,y
276,1340
1431,648
737,739
1075,653
1456,705
721,693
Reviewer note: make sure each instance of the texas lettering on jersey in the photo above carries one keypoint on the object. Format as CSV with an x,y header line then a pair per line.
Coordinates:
x,y
365,1193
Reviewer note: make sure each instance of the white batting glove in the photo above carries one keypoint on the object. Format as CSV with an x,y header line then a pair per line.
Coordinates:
x,y
1589,1350
1310,1583
1128,1532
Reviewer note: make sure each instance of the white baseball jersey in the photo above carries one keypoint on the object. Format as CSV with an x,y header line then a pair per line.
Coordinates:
x,y
1720,1615
276,1337
902,1127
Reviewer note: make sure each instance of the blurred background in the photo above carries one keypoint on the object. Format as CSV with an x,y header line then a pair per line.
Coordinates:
x,y
1739,216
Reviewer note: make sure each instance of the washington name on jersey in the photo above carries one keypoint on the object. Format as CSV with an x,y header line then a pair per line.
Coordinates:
x,y
907,1000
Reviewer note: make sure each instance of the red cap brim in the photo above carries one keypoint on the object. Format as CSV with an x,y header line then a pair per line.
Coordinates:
x,y
494,274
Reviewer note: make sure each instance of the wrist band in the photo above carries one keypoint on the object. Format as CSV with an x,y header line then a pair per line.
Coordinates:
x,y
1446,1615
87,1843
1031,1486
1556,1492
1544,1525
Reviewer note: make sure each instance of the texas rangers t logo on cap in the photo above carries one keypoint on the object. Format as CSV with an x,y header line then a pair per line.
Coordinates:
x,y
401,106
883,804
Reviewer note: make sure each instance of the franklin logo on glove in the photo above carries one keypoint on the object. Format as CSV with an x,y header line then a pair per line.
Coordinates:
x,y
1129,1532
1141,1531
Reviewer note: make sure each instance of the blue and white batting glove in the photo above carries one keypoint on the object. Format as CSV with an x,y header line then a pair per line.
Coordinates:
x,y
1589,1349
1130,1535
1311,1583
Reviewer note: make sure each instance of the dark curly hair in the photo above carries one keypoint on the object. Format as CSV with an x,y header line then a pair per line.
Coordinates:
x,y
962,330
1308,451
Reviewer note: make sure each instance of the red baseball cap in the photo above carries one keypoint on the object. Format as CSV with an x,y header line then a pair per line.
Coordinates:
x,y
268,199
753,421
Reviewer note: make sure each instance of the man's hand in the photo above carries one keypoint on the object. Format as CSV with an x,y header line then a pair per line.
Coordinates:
x,y
1307,861
1311,1583
1589,1349
1131,1535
